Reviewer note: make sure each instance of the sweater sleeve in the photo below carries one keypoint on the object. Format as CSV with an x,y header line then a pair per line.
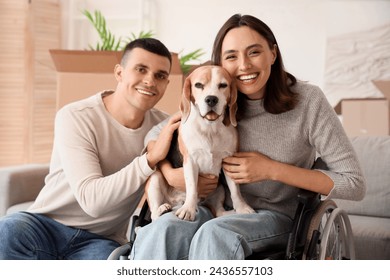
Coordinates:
x,y
155,132
79,156
328,137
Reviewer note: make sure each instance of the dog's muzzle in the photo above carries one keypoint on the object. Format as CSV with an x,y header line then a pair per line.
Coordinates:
x,y
211,102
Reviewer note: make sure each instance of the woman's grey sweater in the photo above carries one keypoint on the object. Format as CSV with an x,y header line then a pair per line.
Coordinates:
x,y
297,137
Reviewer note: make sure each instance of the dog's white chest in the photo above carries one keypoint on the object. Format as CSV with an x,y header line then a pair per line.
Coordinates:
x,y
207,147
209,163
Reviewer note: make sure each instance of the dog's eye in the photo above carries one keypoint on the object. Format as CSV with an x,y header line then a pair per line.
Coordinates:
x,y
222,85
199,85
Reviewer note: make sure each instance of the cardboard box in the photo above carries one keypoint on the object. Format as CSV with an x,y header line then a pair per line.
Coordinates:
x,y
84,73
367,116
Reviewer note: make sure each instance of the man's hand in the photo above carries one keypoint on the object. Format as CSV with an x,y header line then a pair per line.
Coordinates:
x,y
158,150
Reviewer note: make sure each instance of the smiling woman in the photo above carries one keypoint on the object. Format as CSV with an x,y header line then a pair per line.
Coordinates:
x,y
283,124
249,63
249,53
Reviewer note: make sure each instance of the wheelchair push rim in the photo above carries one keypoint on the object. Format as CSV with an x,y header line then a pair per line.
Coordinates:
x,y
332,229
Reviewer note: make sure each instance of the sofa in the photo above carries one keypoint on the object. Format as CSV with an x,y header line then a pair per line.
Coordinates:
x,y
20,185
370,218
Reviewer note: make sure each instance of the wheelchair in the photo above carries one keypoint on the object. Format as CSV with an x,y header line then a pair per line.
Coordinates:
x,y
321,231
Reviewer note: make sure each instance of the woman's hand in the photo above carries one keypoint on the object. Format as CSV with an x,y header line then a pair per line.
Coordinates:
x,y
175,178
248,167
207,183
254,167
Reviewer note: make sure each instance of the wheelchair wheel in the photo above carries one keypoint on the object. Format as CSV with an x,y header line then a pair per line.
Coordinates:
x,y
329,235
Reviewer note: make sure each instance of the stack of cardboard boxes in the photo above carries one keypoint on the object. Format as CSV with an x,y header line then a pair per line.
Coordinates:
x,y
368,116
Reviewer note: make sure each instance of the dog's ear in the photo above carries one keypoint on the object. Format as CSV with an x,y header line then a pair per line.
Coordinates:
x,y
185,105
230,115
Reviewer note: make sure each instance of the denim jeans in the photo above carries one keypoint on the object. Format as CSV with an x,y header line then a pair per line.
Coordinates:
x,y
231,237
27,236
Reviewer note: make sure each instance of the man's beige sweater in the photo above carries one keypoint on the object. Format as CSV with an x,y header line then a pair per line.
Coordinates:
x,y
97,172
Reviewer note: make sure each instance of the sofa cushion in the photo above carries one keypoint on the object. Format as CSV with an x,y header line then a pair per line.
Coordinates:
x,y
374,156
371,237
20,183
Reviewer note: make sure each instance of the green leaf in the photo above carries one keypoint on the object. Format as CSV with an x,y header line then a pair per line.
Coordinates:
x,y
107,39
184,59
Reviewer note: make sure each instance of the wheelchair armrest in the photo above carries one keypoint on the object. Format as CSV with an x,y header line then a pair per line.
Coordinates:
x,y
308,198
307,203
139,221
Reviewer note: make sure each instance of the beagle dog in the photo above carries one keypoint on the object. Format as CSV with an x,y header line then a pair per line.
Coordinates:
x,y
206,135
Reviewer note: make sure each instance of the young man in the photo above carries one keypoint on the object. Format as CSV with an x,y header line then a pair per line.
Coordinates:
x,y
97,172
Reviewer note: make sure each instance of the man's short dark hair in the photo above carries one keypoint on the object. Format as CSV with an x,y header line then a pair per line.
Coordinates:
x,y
149,44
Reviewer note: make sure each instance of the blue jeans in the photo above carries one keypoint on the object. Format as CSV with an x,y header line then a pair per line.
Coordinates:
x,y
232,237
27,236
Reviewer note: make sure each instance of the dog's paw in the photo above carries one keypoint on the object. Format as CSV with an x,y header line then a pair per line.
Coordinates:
x,y
162,209
166,207
245,209
154,216
186,212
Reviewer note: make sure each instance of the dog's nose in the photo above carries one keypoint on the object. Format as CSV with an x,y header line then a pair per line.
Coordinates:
x,y
211,100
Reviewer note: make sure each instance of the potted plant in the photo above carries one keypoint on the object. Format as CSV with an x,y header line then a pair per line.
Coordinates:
x,y
109,42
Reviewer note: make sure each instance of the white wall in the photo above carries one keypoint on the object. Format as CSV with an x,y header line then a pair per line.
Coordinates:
x,y
301,27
